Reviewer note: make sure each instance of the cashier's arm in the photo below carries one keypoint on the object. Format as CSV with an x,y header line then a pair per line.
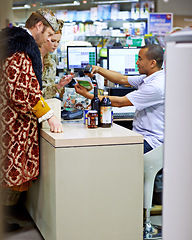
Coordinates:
x,y
112,76
115,101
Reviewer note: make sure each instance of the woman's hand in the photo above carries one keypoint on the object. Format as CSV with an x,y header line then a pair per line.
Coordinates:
x,y
82,91
65,80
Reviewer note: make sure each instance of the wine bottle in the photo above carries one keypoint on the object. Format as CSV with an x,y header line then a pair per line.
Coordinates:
x,y
105,111
95,103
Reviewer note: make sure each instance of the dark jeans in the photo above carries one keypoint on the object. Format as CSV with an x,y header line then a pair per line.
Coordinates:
x,y
147,147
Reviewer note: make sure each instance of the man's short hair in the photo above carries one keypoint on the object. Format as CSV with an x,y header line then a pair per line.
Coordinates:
x,y
155,52
46,16
34,18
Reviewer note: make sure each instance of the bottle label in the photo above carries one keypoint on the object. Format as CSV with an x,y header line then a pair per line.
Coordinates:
x,y
105,113
92,119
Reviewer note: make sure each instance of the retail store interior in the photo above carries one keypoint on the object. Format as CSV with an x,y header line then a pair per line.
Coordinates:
x,y
110,30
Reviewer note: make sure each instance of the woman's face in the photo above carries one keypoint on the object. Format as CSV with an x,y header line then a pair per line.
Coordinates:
x,y
51,45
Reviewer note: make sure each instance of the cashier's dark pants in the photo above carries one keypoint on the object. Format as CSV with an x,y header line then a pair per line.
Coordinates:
x,y
147,147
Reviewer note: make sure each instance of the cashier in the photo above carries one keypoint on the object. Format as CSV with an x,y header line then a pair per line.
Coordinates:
x,y
148,98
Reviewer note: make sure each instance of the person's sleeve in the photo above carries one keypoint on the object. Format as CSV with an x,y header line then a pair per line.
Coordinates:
x,y
145,97
50,91
22,87
42,110
49,73
135,80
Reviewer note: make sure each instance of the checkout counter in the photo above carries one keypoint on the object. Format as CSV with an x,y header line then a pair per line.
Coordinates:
x,y
90,185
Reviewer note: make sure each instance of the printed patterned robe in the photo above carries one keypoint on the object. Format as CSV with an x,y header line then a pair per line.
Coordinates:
x,y
19,93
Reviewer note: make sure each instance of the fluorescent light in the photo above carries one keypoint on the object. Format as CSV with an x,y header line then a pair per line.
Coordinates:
x,y
26,6
18,8
59,5
75,3
114,1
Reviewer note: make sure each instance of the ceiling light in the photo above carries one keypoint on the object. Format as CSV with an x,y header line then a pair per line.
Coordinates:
x,y
75,3
59,5
26,6
114,1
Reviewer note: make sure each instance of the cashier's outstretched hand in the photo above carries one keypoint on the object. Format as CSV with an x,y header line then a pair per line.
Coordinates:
x,y
82,91
55,124
93,72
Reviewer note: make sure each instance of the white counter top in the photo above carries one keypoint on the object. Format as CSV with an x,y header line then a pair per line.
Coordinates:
x,y
77,134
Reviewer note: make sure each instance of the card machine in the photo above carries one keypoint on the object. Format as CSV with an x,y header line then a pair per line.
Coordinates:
x,y
75,114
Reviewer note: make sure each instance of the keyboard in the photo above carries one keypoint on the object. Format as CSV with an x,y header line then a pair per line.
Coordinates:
x,y
126,115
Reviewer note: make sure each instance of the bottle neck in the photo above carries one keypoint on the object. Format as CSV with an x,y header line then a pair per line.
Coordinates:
x,y
95,92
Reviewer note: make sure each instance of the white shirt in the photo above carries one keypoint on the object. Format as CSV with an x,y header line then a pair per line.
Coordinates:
x,y
148,100
28,31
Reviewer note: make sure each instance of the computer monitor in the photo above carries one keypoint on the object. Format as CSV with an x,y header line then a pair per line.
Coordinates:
x,y
80,56
123,59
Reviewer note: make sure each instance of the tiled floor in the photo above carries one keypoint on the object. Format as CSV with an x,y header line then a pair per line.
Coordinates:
x,y
28,230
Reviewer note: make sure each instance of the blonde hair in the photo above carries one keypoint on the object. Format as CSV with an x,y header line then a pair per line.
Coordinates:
x,y
60,23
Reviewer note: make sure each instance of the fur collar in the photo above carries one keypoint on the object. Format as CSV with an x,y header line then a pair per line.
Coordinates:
x,y
16,39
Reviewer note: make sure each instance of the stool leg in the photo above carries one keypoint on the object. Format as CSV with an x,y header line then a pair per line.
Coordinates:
x,y
150,231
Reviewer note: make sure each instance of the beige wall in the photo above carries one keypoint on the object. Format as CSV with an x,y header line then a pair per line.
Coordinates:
x,y
20,16
177,7
181,9
182,21
6,13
